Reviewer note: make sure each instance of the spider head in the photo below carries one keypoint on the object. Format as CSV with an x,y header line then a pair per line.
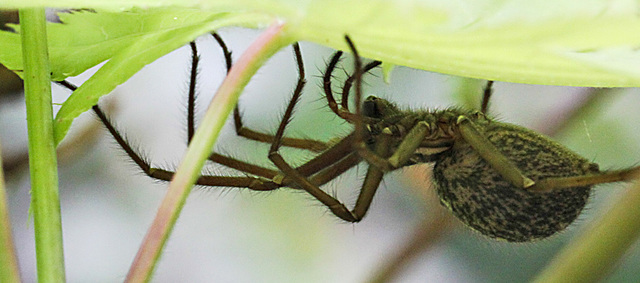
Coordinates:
x,y
378,108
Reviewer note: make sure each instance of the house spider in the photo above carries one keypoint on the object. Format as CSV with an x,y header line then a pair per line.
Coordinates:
x,y
502,180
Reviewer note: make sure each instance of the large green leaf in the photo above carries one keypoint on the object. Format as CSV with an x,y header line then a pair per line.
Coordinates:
x,y
564,42
128,40
88,38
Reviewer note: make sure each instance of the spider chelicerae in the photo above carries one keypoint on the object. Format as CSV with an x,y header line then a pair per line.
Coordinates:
x,y
502,180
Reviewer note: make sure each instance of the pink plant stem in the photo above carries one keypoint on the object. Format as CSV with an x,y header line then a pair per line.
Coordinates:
x,y
219,109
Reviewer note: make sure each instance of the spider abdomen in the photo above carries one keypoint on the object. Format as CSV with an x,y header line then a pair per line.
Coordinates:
x,y
481,198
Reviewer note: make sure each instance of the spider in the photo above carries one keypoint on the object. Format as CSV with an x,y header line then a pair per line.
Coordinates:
x,y
502,180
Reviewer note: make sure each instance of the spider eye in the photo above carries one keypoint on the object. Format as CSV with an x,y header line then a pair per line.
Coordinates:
x,y
370,108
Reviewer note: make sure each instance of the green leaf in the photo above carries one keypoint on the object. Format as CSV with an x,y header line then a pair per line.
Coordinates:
x,y
87,38
149,45
516,41
567,42
129,40
386,71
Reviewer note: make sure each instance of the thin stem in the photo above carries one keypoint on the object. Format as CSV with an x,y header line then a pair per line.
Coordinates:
x,y
600,247
9,271
273,39
45,202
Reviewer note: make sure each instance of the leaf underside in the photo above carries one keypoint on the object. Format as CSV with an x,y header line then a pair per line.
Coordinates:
x,y
568,42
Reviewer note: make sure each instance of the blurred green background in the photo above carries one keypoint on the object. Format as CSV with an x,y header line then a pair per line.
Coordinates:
x,y
231,235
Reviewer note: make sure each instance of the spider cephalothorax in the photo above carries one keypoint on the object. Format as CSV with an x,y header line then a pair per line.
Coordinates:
x,y
381,116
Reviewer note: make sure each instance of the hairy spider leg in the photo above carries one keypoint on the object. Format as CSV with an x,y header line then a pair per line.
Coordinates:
x,y
381,149
241,130
602,177
346,87
253,183
492,155
326,85
312,167
488,90
327,173
408,145
318,163
191,102
470,133
372,180
321,169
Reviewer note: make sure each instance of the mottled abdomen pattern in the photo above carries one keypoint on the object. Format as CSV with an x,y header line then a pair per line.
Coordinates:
x,y
482,199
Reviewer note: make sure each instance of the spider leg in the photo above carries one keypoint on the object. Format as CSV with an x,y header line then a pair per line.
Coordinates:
x,y
307,144
358,120
293,178
336,152
372,179
340,150
336,207
470,133
340,158
241,130
372,157
488,90
586,180
342,112
253,183
410,143
331,172
191,102
326,84
316,164
345,114
374,173
326,166
225,51
367,191
346,87
243,166
289,173
311,185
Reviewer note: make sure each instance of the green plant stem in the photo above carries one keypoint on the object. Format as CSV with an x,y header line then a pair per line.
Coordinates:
x,y
272,40
9,271
42,154
600,247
